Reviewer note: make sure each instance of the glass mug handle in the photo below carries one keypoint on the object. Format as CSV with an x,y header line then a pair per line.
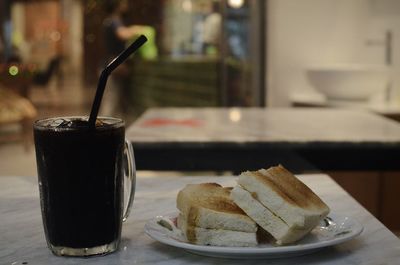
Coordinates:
x,y
129,179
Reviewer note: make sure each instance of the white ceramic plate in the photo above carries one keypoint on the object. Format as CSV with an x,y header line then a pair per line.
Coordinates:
x,y
340,229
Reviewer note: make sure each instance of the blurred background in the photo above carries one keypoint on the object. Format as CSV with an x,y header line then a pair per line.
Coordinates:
x,y
218,53
199,53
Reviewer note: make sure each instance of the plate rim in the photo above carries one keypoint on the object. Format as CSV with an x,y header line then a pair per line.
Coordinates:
x,y
158,236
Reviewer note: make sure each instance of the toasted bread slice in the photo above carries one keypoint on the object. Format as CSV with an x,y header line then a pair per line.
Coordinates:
x,y
216,237
285,195
209,205
279,202
266,219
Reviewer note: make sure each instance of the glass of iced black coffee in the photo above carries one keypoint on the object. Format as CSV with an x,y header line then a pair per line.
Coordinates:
x,y
82,174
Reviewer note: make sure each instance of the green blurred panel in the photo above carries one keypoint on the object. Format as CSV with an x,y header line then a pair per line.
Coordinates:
x,y
174,83
203,73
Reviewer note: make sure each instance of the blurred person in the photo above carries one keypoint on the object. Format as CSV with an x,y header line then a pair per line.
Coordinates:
x,y
117,34
212,30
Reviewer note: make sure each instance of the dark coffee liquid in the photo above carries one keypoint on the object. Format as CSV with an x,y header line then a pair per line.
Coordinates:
x,y
80,180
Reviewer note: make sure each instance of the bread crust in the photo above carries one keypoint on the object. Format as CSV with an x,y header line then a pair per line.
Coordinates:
x,y
206,195
208,205
216,237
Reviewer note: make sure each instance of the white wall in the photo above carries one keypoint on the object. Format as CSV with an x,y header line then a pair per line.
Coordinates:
x,y
315,32
385,15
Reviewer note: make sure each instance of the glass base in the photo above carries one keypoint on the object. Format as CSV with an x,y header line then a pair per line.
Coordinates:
x,y
84,252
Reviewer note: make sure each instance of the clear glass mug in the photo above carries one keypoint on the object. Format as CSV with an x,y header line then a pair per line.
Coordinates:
x,y
81,176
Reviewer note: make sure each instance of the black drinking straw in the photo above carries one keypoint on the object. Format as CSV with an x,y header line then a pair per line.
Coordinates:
x,y
106,72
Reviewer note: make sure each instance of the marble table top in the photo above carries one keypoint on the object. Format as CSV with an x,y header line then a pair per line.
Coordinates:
x,y
22,239
246,125
305,139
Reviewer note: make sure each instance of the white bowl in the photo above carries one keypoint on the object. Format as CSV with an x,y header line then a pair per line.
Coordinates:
x,y
349,82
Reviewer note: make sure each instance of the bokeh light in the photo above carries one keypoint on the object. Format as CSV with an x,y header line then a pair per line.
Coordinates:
x,y
235,3
13,70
